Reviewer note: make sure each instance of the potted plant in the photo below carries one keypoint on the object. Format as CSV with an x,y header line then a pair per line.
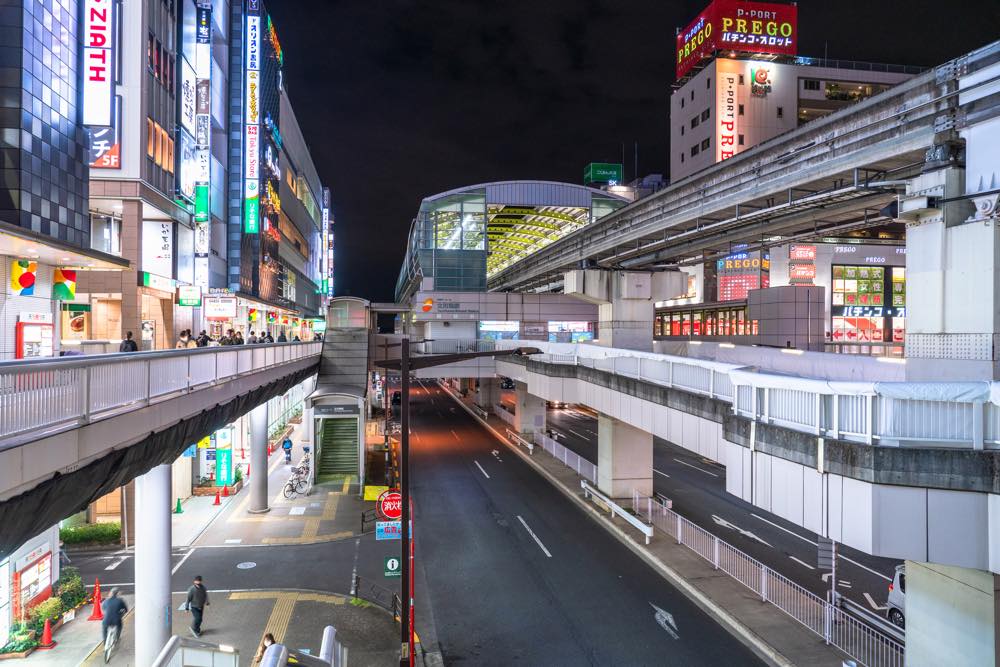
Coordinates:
x,y
51,610
70,588
20,644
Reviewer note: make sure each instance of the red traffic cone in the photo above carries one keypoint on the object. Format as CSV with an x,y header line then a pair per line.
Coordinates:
x,y
97,614
217,501
46,642
247,473
225,491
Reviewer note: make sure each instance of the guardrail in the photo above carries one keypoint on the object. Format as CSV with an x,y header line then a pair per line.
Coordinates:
x,y
502,412
483,414
43,394
858,639
945,414
614,508
516,437
569,458
367,590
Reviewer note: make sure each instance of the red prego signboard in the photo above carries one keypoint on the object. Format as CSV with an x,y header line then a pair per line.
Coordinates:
x,y
390,505
759,27
802,252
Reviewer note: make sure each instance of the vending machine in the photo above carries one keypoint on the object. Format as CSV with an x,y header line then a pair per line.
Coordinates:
x,y
33,336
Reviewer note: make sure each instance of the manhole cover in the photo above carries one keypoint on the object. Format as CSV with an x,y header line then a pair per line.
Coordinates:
x,y
246,566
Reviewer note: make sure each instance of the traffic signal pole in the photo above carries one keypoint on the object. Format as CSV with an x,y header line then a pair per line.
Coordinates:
x,y
406,590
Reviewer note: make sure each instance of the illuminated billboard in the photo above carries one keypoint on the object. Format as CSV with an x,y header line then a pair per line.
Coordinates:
x,y
757,27
726,108
98,62
104,144
251,130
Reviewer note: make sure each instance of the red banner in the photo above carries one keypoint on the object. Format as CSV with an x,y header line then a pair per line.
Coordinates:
x,y
757,27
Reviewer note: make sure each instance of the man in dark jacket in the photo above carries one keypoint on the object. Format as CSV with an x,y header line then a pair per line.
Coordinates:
x,y
197,600
113,609
128,345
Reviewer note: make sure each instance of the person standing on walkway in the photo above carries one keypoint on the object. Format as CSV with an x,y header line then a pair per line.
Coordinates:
x,y
128,345
197,600
252,340
286,445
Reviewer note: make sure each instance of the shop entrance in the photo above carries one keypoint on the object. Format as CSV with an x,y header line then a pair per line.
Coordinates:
x,y
338,448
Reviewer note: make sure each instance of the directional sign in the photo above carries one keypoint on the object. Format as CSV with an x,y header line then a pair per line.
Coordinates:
x,y
393,566
390,505
825,554
388,530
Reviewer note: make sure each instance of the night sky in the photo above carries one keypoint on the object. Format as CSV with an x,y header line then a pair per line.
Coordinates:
x,y
401,100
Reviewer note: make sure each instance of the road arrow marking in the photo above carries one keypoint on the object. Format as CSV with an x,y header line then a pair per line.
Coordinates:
x,y
843,583
732,526
665,620
875,606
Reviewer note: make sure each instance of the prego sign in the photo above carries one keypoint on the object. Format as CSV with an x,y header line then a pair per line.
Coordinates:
x,y
390,505
759,27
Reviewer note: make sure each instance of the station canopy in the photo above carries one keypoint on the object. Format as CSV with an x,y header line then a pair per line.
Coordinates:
x,y
514,232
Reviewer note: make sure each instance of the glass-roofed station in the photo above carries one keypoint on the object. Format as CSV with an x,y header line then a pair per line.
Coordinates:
x,y
461,237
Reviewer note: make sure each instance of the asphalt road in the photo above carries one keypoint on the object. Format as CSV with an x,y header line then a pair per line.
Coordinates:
x,y
697,487
513,572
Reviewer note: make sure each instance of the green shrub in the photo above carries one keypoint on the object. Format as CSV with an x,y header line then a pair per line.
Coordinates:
x,y
70,588
20,640
238,477
49,609
91,533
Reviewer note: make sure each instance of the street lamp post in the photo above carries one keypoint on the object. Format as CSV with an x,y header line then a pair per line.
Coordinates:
x,y
405,365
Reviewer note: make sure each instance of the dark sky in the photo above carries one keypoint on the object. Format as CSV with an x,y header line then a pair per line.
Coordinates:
x,y
401,100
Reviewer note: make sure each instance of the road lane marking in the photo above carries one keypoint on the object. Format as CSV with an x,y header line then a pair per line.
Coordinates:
x,y
456,435
660,473
535,537
802,562
843,583
685,463
875,606
732,526
579,435
806,539
485,474
181,561
115,564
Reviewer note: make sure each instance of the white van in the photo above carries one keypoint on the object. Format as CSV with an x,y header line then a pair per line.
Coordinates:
x,y
897,597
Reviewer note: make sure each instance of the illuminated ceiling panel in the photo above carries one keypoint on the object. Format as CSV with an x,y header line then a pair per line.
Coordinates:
x,y
514,232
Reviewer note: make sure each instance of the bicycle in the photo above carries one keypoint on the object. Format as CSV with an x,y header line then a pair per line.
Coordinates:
x,y
295,485
111,642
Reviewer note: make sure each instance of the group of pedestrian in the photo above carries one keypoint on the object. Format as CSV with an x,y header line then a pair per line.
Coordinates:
x,y
231,337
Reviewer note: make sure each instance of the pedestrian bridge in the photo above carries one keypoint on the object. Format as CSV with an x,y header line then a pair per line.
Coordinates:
x,y
895,469
74,428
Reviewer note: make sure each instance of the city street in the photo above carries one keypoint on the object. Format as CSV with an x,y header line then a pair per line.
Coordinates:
x,y
697,487
512,571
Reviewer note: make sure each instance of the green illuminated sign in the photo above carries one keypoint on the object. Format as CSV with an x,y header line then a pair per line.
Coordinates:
x,y
602,172
223,467
201,211
251,215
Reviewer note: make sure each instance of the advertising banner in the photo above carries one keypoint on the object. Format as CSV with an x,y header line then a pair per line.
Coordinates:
x,y
251,131
757,27
187,164
98,62
189,102
158,247
104,143
726,105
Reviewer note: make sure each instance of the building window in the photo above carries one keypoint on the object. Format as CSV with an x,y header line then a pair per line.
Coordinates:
x,y
692,96
781,112
682,130
740,140
694,122
157,62
708,82
169,83
810,84
705,143
150,53
682,157
741,79
705,114
694,150
682,103
151,135
740,110
106,234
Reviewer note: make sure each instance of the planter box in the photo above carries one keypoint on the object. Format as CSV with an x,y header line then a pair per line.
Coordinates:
x,y
212,490
15,656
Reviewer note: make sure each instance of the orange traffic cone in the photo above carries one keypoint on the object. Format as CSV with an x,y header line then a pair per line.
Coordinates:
x,y
225,491
46,642
247,473
97,614
217,501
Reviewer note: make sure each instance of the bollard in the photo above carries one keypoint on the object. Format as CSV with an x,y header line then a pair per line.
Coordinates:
x,y
218,501
178,510
97,614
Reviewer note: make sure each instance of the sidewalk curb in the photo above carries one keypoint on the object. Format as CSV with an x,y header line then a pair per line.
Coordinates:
x,y
734,626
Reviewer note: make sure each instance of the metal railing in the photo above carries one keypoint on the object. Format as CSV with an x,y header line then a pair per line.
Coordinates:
x,y
516,438
859,640
365,589
40,395
568,457
939,414
616,509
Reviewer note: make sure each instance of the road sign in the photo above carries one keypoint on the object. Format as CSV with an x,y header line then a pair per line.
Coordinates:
x,y
826,553
390,505
388,530
393,566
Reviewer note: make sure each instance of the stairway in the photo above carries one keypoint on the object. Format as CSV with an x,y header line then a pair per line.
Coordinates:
x,y
338,449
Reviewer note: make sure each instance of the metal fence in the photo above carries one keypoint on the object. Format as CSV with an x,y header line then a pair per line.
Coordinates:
x,y
365,589
42,394
860,641
569,458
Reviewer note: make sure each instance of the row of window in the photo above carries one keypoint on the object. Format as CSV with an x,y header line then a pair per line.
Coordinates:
x,y
709,322
706,144
159,146
160,63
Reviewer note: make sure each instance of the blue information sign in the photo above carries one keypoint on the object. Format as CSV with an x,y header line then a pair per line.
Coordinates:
x,y
388,530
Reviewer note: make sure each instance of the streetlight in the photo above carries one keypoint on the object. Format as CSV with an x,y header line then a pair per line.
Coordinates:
x,y
405,364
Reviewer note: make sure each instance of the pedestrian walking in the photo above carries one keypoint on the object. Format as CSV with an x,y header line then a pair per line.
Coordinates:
x,y
128,345
282,338
238,339
252,339
114,609
203,339
269,338
286,445
197,600
264,643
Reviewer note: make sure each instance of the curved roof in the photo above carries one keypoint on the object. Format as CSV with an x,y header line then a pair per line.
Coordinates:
x,y
529,192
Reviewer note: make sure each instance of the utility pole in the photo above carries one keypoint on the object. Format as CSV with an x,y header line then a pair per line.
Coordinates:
x,y
406,592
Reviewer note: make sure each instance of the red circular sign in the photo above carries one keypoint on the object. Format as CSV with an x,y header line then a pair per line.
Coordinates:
x,y
390,505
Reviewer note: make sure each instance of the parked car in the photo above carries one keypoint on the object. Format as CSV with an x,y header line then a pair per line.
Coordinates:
x,y
897,597
555,405
506,383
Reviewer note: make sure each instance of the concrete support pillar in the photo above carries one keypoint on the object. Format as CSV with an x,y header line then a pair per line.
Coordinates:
x,y
258,460
626,302
529,412
152,560
624,458
488,393
952,616
308,430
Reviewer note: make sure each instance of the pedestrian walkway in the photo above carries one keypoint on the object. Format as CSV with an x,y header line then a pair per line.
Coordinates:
x,y
764,628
